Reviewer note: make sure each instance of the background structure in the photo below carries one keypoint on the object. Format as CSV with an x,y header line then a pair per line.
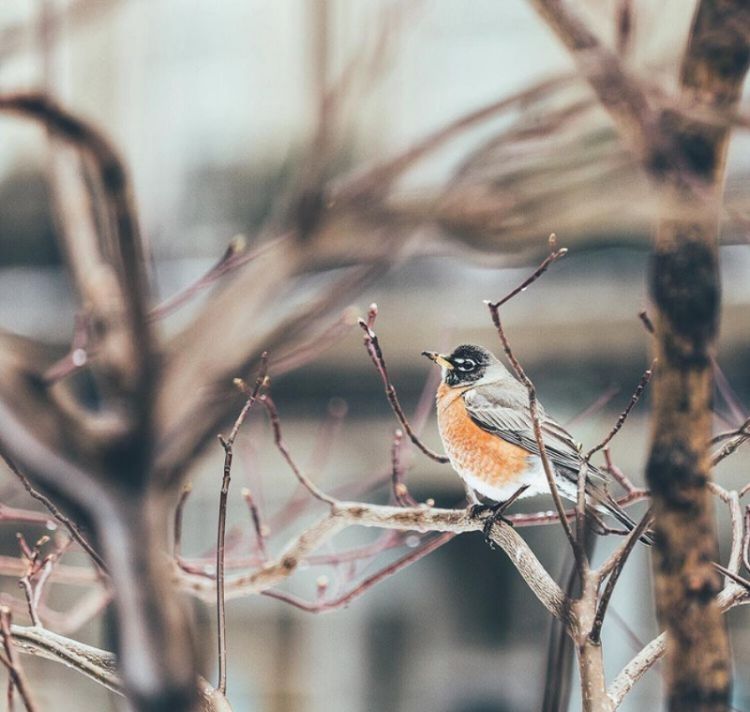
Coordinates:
x,y
213,108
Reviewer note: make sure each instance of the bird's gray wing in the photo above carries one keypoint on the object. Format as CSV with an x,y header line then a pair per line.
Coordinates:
x,y
505,412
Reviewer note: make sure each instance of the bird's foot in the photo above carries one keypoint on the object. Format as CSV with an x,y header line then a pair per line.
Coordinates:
x,y
497,514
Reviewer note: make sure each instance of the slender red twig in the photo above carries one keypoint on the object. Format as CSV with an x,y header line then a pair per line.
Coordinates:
x,y
228,444
553,257
303,479
400,490
37,571
235,256
11,661
67,522
373,349
648,325
619,476
645,378
624,28
734,439
366,584
255,517
621,557
179,514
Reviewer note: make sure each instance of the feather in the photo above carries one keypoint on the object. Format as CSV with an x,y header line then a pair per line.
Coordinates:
x,y
502,408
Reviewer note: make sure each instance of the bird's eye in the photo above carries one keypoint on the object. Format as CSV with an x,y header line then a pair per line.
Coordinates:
x,y
466,365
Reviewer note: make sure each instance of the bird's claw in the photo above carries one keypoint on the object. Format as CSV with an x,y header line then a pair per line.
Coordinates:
x,y
497,514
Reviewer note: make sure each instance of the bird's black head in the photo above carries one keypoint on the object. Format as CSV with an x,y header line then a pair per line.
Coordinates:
x,y
467,364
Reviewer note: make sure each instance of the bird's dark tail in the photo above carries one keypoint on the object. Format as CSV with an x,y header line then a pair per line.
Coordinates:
x,y
602,500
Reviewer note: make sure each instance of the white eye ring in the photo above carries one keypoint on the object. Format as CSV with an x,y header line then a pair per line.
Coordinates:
x,y
465,364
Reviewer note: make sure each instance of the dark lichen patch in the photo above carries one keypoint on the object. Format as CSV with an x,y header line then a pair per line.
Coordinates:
x,y
674,473
685,286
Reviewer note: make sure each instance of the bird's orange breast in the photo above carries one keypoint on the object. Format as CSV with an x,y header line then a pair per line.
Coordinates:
x,y
472,449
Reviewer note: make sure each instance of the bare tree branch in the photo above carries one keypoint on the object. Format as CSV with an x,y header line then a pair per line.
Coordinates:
x,y
11,661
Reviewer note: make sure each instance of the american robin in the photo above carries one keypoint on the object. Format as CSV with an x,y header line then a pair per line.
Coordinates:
x,y
488,434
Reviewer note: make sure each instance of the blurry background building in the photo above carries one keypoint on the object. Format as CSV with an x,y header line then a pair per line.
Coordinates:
x,y
212,105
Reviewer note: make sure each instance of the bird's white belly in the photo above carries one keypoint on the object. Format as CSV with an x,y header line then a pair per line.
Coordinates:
x,y
534,477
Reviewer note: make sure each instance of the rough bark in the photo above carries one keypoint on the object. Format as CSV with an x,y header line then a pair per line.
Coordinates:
x,y
689,162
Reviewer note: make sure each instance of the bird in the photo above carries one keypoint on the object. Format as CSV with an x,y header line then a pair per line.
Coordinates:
x,y
485,424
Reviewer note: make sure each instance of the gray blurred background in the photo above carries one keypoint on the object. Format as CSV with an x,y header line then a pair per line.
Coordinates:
x,y
212,105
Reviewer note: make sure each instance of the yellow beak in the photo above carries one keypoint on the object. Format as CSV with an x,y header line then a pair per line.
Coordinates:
x,y
439,359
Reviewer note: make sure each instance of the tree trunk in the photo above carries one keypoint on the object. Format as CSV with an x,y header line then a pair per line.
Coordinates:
x,y
685,287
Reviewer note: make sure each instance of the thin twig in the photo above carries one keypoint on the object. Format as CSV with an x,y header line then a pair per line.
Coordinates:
x,y
619,476
494,308
11,661
645,378
745,583
616,564
235,255
220,602
303,479
373,349
365,585
67,522
400,490
624,27
734,440
36,574
228,444
581,504
179,514
258,525
732,500
648,325
538,272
